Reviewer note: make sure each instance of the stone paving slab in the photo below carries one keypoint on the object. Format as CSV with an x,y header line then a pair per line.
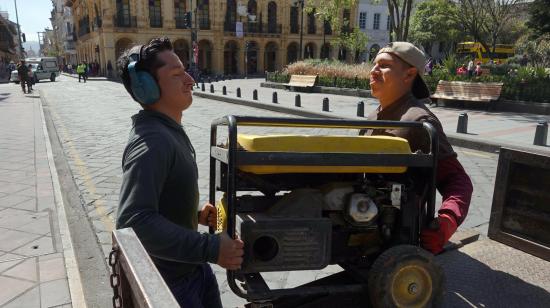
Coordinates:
x,y
32,264
503,127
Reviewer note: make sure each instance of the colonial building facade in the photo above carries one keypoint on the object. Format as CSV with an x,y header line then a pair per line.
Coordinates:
x,y
63,28
270,32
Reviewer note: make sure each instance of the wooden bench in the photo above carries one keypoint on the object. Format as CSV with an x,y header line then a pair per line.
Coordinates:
x,y
484,92
302,81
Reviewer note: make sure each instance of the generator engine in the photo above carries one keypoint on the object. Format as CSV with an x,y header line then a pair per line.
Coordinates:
x,y
309,228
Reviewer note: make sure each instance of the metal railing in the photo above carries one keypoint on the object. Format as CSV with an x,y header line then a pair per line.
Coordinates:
x,y
256,28
135,280
124,21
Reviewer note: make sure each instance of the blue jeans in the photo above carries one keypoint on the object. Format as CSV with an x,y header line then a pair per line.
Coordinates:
x,y
197,290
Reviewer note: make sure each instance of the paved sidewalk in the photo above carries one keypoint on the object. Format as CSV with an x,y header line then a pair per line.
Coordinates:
x,y
483,126
32,263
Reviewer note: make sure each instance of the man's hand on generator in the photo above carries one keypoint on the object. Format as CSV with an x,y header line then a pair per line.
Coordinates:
x,y
231,252
208,216
434,239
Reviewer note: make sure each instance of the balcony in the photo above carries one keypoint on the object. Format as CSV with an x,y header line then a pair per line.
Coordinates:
x,y
124,21
256,29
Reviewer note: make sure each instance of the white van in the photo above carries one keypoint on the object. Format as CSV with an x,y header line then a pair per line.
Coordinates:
x,y
43,68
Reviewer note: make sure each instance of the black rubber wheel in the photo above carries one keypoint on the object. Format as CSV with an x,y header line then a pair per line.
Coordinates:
x,y
52,78
406,276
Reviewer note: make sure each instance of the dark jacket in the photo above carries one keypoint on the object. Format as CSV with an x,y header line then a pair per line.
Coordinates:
x,y
159,196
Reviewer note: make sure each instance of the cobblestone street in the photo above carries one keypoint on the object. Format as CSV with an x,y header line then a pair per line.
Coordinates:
x,y
93,120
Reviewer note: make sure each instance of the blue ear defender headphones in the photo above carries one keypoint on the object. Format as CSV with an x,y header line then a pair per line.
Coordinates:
x,y
143,84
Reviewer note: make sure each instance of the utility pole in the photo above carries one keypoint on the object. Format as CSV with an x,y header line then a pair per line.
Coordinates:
x,y
18,31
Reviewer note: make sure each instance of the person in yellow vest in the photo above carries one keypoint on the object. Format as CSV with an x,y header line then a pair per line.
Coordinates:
x,y
81,71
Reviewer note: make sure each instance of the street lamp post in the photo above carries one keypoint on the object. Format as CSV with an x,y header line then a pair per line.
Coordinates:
x,y
18,31
301,2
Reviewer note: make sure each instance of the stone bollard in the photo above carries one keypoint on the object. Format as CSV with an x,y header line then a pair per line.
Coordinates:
x,y
541,134
462,126
238,92
361,109
275,99
297,101
211,88
325,104
255,95
203,88
224,90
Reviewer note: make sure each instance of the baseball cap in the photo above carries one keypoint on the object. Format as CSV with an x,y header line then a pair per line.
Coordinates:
x,y
414,57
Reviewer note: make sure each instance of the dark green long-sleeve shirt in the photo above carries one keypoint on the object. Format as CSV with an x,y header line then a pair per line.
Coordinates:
x,y
159,195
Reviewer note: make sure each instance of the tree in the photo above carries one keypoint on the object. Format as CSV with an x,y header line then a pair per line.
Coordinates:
x,y
400,12
355,41
330,10
539,21
485,20
433,21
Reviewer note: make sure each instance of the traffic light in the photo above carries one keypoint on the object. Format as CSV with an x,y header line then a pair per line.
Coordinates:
x,y
23,37
187,18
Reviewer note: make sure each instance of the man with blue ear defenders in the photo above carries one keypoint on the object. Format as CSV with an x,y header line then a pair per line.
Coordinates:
x,y
159,194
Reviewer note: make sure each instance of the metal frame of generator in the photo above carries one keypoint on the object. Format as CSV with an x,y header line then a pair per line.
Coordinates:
x,y
226,164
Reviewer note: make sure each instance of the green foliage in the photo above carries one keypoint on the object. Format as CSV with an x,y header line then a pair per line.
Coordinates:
x,y
451,63
433,21
539,19
537,50
355,41
330,10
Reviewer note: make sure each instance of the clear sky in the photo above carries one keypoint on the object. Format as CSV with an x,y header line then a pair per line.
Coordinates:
x,y
34,15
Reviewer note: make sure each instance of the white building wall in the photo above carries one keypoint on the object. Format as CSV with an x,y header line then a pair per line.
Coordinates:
x,y
377,38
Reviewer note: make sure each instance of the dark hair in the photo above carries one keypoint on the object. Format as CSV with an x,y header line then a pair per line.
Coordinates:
x,y
148,60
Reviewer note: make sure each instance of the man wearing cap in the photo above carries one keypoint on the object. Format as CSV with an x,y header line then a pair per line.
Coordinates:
x,y
396,80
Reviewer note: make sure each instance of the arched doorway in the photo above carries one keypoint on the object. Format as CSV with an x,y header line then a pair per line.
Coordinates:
x,y
181,48
205,57
272,17
230,58
270,59
309,51
251,57
292,52
373,51
121,45
325,51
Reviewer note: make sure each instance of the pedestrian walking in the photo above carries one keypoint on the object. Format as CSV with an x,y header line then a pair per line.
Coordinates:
x,y
23,73
30,78
471,68
429,67
81,70
478,71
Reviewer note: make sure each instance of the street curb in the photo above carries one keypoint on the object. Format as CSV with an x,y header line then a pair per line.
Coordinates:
x,y
71,266
89,78
89,257
459,140
325,90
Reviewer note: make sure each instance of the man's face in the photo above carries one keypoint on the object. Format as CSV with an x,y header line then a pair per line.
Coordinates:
x,y
175,84
390,77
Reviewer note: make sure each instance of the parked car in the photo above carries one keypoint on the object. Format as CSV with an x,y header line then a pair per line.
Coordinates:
x,y
43,68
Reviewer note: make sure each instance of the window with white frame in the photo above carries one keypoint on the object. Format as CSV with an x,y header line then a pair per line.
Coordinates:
x,y
363,20
376,22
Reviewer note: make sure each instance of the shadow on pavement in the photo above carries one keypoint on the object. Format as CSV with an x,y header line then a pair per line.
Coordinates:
x,y
471,283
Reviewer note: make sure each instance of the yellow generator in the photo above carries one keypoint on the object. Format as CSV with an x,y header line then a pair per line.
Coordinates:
x,y
302,202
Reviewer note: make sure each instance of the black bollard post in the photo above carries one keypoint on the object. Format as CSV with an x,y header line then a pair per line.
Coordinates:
x,y
203,88
238,92
297,101
224,90
275,98
462,126
325,104
211,88
255,95
361,109
541,134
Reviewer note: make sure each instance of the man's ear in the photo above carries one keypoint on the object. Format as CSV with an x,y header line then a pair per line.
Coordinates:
x,y
411,74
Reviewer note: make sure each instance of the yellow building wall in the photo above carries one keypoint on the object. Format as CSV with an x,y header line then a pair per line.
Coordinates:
x,y
113,40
